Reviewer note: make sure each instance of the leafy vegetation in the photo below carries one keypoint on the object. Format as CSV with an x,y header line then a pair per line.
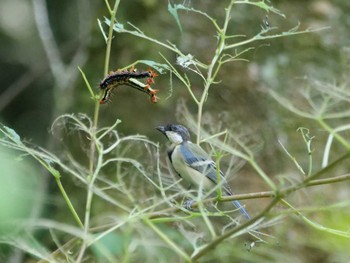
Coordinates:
x,y
120,201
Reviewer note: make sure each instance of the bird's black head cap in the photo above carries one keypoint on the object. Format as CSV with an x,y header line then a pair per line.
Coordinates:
x,y
176,128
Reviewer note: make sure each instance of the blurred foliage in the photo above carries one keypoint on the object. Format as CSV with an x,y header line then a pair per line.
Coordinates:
x,y
19,190
32,95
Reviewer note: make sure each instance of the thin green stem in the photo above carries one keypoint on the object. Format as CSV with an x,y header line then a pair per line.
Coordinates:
x,y
110,36
212,70
204,250
161,216
183,79
138,33
263,175
336,135
332,180
261,36
87,83
316,225
308,180
278,196
108,7
93,174
68,202
165,238
113,14
57,177
204,216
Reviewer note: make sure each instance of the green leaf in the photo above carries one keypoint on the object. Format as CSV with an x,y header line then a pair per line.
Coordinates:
x,y
157,66
12,134
173,11
262,5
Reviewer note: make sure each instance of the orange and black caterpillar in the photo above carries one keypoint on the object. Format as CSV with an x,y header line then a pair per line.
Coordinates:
x,y
128,78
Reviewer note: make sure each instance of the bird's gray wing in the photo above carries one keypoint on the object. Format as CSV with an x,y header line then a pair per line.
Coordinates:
x,y
198,159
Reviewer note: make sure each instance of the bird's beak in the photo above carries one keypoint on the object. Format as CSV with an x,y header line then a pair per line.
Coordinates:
x,y
161,129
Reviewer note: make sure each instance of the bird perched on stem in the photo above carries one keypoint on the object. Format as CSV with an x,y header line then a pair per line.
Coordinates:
x,y
193,164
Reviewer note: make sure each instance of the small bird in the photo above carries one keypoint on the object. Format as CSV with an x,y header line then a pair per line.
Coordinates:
x,y
192,163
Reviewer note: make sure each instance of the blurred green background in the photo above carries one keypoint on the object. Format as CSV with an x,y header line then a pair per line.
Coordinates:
x,y
40,52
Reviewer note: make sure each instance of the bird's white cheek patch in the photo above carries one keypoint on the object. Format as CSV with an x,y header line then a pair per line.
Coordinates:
x,y
174,137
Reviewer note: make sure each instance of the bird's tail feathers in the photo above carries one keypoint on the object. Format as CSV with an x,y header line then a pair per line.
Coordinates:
x,y
241,209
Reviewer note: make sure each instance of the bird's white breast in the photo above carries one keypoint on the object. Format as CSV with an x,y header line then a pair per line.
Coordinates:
x,y
174,137
189,175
